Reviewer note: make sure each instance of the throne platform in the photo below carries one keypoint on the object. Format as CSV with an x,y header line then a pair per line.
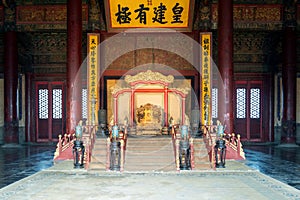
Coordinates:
x,y
149,119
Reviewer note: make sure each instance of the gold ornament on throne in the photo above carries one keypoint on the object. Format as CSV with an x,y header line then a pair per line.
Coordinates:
x,y
148,114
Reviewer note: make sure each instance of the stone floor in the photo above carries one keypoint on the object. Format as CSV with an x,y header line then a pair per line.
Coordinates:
x,y
21,161
239,180
282,164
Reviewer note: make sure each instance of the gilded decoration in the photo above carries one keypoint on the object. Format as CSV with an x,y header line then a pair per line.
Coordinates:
x,y
45,43
205,13
290,10
47,49
41,2
248,47
38,27
49,69
254,1
255,16
117,88
265,13
9,13
268,14
257,47
149,76
9,17
124,14
96,21
185,90
249,42
46,14
148,114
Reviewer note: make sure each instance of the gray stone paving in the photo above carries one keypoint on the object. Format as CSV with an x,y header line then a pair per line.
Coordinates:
x,y
236,181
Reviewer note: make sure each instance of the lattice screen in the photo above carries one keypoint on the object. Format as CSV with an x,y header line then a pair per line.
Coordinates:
x,y
84,103
57,103
255,103
43,104
240,103
214,108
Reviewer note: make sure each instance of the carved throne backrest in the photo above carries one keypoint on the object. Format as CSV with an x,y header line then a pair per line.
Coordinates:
x,y
148,114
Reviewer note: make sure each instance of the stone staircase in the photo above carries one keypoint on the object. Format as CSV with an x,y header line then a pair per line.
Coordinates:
x,y
201,157
149,154
98,158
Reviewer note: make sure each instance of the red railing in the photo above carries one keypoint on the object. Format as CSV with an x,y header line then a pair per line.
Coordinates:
x,y
64,147
108,142
175,140
209,140
234,147
176,137
192,152
88,137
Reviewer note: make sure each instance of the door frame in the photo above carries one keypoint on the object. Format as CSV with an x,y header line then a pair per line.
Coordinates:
x,y
247,84
267,104
50,87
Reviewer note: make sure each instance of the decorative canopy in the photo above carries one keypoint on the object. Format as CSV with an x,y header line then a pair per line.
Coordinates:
x,y
149,76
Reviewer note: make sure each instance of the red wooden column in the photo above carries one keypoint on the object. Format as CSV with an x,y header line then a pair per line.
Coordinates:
x,y
116,110
10,87
132,106
289,73
74,58
166,107
289,80
225,59
28,118
183,110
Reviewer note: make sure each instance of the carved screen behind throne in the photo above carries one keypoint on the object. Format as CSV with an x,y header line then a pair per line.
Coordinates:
x,y
149,109
151,95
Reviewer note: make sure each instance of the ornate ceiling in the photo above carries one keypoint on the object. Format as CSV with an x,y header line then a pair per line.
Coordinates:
x,y
41,27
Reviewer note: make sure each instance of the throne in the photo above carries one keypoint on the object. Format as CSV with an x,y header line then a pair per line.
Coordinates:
x,y
148,99
148,119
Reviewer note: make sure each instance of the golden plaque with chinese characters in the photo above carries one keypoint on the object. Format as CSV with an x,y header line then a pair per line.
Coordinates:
x,y
125,14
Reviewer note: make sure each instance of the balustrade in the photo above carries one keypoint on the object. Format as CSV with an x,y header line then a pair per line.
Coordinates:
x,y
65,145
209,140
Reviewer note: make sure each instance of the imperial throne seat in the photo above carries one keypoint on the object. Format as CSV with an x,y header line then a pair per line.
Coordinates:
x,y
149,120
